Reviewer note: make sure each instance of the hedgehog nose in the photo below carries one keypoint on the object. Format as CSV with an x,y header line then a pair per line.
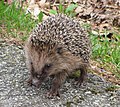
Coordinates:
x,y
35,82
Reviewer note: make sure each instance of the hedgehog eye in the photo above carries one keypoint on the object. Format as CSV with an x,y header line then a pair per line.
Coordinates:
x,y
48,66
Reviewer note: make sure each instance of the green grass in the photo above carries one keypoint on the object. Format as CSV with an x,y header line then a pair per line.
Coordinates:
x,y
106,51
15,20
69,11
18,25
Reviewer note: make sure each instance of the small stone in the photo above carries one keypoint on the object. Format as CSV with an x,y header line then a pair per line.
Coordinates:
x,y
88,92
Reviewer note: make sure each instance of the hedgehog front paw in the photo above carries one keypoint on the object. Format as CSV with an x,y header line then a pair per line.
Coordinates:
x,y
80,83
53,94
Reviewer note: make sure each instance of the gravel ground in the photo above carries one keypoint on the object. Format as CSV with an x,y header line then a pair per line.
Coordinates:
x,y
14,91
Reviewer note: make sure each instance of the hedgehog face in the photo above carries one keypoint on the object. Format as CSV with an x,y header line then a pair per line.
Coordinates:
x,y
50,63
46,64
39,76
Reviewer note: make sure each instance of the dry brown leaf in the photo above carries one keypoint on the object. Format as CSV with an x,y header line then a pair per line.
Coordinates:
x,y
79,9
42,3
89,10
96,68
47,5
54,8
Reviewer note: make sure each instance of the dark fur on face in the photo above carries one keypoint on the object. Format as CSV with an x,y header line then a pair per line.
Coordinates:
x,y
56,61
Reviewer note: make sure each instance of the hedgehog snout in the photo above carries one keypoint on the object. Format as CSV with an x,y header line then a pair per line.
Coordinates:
x,y
36,82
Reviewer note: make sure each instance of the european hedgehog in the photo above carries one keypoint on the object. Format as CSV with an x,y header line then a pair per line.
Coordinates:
x,y
57,47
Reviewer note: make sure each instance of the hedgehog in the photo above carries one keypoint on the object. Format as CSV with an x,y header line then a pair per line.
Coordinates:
x,y
57,47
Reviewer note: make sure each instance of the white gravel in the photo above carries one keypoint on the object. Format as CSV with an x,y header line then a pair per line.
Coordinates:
x,y
14,91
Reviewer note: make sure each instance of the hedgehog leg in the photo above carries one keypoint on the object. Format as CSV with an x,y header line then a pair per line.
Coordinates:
x,y
83,75
31,69
57,82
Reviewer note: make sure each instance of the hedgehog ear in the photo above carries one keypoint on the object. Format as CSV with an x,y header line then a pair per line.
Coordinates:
x,y
59,50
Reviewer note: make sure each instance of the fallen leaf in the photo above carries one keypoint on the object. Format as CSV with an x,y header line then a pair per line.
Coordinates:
x,y
79,9
42,3
54,8
47,5
89,10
